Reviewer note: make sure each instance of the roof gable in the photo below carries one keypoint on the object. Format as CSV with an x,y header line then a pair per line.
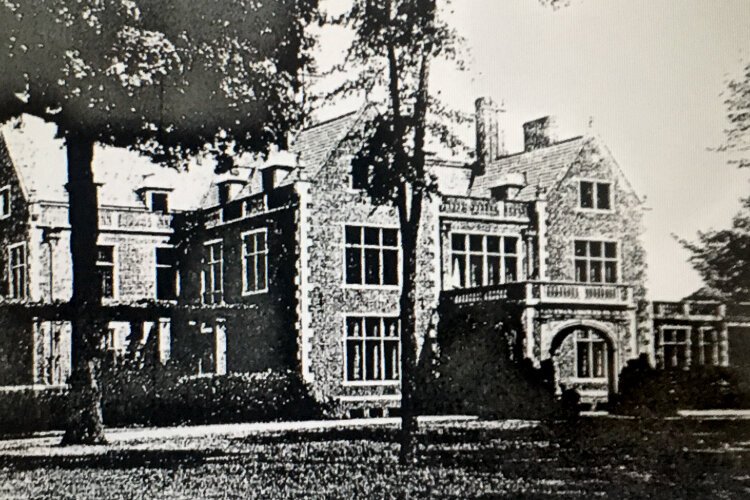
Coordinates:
x,y
543,168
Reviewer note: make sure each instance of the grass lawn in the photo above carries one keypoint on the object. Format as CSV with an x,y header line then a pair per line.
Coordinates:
x,y
605,457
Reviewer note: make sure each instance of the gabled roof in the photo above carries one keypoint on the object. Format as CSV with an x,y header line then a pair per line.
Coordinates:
x,y
41,165
315,144
543,168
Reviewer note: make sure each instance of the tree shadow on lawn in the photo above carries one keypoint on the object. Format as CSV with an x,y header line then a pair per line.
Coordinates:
x,y
117,459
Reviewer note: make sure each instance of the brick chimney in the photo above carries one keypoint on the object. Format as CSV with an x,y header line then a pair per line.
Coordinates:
x,y
490,142
539,133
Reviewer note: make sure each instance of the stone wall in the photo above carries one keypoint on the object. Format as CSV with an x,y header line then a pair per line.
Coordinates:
x,y
333,205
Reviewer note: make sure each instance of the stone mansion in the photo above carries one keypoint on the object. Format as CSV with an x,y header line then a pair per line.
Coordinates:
x,y
546,241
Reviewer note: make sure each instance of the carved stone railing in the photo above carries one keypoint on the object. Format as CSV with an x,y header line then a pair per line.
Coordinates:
x,y
468,206
110,218
546,292
251,206
689,310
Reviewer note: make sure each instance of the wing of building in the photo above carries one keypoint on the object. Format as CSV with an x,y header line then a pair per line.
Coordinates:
x,y
538,251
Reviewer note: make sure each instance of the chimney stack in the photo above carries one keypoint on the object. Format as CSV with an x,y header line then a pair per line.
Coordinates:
x,y
539,133
489,140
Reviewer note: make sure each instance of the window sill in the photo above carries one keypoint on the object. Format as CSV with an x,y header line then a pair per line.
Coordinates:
x,y
595,210
588,380
250,293
370,383
371,287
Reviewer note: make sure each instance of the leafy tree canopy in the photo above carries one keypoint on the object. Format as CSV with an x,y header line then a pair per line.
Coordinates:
x,y
722,257
167,78
738,114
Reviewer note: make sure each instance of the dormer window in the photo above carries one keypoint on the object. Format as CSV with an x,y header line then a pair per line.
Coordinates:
x,y
155,198
160,202
595,195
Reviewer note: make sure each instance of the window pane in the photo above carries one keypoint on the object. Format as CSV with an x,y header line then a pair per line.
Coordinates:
x,y
476,272
391,360
390,267
595,272
458,242
510,245
250,284
595,248
493,244
353,327
610,272
599,358
354,360
390,237
587,195
610,250
359,176
459,271
354,265
493,271
166,283
104,253
260,242
372,360
582,360
581,272
475,242
353,234
390,326
165,256
602,196
372,327
262,272
580,248
372,266
372,236
511,265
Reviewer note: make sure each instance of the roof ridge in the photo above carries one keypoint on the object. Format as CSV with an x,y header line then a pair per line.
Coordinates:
x,y
558,143
327,121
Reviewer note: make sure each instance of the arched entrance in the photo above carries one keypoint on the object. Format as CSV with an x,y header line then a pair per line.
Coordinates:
x,y
583,357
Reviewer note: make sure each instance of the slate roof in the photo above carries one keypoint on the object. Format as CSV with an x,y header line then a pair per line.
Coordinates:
x,y
316,143
543,168
41,165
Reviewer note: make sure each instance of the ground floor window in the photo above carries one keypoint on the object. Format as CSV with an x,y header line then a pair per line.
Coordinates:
x,y
373,349
672,347
704,343
591,355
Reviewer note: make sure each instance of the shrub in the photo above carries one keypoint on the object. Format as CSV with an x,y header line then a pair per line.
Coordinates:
x,y
32,410
236,397
646,391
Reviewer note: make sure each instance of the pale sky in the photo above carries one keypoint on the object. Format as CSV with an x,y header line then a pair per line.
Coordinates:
x,y
649,73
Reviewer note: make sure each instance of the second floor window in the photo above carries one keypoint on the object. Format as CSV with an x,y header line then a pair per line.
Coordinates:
x,y
17,271
213,263
595,195
483,259
105,268
373,349
595,261
360,176
371,255
166,274
254,262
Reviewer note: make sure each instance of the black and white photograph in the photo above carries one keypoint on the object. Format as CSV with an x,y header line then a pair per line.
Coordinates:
x,y
374,249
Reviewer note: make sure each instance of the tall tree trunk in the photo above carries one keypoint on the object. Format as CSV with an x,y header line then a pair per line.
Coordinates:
x,y
408,319
84,424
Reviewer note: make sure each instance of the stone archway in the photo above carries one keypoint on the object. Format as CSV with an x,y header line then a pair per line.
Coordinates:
x,y
584,355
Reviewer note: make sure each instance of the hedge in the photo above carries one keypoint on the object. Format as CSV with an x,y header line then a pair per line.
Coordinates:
x,y
647,391
158,396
